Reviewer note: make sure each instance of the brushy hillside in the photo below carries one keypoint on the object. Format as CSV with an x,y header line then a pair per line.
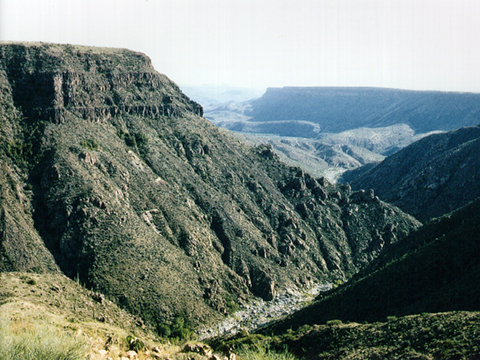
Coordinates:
x,y
429,178
417,300
118,181
49,316
441,336
435,269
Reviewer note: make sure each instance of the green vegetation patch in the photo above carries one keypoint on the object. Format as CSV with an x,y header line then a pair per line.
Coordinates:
x,y
135,140
90,144
265,354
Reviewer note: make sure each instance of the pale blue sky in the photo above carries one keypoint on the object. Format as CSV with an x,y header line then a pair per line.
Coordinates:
x,y
410,44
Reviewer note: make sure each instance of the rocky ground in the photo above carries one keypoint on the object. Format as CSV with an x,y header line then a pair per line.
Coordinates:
x,y
260,313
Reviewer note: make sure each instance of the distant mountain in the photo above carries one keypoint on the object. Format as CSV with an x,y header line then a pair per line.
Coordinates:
x,y
112,176
376,120
435,269
339,109
211,96
429,178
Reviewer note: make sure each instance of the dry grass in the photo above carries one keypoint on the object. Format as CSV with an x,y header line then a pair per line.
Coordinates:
x,y
44,322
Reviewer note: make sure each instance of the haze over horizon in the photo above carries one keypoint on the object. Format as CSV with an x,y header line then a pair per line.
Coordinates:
x,y
404,44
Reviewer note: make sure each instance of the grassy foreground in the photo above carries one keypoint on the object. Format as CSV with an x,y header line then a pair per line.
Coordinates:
x,y
39,343
50,317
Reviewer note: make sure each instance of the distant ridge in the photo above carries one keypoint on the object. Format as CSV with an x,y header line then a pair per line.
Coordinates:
x,y
428,178
337,109
327,130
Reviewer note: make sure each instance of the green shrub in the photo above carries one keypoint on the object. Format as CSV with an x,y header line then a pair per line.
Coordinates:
x,y
181,329
28,280
164,330
182,334
334,322
121,134
135,140
90,144
264,354
42,343
135,344
232,304
138,141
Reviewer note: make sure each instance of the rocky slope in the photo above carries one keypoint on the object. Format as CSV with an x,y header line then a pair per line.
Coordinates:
x,y
432,270
332,154
114,177
429,178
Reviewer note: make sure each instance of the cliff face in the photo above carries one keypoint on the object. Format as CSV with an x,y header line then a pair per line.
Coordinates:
x,y
56,82
118,180
21,247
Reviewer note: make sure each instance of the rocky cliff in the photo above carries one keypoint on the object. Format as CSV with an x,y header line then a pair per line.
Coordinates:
x,y
110,174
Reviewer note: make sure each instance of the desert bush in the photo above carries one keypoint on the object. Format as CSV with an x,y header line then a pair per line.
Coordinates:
x,y
334,322
135,344
180,329
164,330
90,144
261,353
41,343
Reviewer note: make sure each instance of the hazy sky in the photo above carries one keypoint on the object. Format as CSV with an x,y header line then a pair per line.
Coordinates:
x,y
409,44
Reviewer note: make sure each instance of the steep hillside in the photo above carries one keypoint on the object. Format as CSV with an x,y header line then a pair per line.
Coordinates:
x,y
49,316
433,270
118,176
21,247
429,178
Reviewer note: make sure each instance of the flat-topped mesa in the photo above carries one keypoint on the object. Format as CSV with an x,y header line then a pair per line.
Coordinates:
x,y
90,83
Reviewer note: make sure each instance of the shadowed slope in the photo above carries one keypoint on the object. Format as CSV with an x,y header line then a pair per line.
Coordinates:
x,y
429,178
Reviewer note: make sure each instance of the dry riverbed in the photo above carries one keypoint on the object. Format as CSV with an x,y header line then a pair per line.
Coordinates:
x,y
260,313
